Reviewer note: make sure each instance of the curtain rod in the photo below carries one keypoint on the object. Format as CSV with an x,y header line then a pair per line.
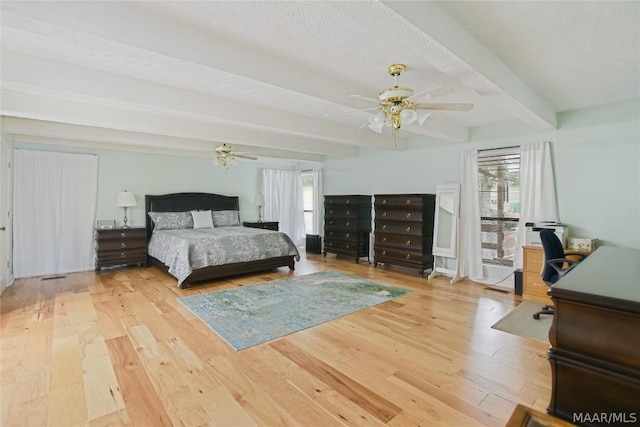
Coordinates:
x,y
499,148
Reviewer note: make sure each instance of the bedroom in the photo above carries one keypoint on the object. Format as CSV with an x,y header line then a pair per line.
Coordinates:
x,y
595,148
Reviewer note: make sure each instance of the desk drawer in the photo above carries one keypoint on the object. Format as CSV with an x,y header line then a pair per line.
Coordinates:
x,y
534,284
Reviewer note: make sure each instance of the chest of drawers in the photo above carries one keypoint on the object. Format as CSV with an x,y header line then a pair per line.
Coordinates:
x,y
347,225
404,230
122,246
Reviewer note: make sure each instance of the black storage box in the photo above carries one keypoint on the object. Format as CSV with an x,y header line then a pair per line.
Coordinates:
x,y
314,244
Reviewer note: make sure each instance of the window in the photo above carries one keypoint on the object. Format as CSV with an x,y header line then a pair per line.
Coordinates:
x,y
499,186
307,200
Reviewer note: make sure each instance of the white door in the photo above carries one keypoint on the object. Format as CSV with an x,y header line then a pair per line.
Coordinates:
x,y
5,214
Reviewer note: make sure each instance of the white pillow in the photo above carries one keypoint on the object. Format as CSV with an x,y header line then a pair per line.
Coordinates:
x,y
202,219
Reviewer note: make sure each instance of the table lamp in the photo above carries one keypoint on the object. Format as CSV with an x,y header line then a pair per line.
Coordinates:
x,y
125,199
259,202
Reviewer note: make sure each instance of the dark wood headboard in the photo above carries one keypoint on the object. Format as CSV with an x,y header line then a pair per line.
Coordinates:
x,y
183,202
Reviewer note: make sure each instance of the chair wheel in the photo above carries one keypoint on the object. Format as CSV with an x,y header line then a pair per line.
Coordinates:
x,y
536,316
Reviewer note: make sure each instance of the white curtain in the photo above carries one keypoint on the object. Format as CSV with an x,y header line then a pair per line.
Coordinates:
x,y
54,202
470,253
318,201
537,191
282,190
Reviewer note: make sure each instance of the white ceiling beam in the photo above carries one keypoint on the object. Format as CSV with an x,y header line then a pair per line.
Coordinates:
x,y
486,74
27,72
49,108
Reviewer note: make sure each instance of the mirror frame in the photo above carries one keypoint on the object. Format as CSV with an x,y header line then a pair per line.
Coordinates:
x,y
452,250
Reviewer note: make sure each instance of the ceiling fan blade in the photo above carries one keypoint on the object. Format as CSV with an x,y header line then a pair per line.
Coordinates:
x,y
364,98
446,107
350,112
247,156
431,93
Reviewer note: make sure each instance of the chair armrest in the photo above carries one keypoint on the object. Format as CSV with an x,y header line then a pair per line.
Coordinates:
x,y
557,264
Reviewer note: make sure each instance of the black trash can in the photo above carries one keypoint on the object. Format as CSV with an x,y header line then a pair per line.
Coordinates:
x,y
314,244
518,281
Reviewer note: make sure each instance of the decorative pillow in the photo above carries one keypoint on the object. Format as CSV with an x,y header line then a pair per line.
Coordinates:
x,y
202,219
226,218
171,220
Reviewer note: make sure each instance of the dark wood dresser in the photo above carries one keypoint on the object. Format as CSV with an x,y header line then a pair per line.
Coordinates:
x,y
120,246
268,225
347,225
595,340
404,230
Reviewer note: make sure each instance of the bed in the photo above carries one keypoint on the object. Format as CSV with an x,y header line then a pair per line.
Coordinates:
x,y
182,243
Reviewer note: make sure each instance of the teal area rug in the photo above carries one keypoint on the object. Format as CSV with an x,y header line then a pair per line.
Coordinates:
x,y
254,314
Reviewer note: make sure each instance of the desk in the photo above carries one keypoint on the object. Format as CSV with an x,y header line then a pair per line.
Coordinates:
x,y
595,338
534,288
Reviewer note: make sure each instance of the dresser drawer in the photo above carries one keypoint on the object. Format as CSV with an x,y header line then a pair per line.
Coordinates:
x,y
340,223
398,215
347,200
345,245
407,200
140,242
124,256
403,227
406,256
334,211
399,241
351,236
121,234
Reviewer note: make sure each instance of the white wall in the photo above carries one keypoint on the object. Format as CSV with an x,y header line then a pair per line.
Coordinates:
x,y
596,156
144,173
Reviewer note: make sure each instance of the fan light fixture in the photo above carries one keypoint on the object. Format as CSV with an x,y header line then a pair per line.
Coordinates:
x,y
224,156
396,107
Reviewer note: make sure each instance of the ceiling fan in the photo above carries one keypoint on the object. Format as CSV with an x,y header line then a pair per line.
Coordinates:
x,y
398,106
225,155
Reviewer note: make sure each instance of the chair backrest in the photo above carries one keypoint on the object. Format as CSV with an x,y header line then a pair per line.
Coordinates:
x,y
553,249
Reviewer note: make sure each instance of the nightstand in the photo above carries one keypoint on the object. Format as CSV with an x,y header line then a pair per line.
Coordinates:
x,y
273,225
121,246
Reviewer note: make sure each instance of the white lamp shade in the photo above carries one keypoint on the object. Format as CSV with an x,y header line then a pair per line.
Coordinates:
x,y
422,117
125,199
258,200
408,117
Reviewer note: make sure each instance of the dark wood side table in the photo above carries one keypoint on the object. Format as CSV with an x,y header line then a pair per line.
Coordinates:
x,y
269,225
121,246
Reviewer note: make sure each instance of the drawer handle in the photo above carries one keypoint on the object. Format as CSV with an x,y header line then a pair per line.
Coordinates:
x,y
384,214
123,255
348,212
330,243
348,234
409,215
347,246
408,202
331,211
384,227
408,229
123,245
348,201
123,235
408,242
348,224
331,222
384,202
384,240
384,252
408,256
331,233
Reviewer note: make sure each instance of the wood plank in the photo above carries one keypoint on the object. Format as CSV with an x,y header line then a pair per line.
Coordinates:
x,y
118,348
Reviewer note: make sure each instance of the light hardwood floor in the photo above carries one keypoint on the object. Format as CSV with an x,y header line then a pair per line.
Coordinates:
x,y
117,348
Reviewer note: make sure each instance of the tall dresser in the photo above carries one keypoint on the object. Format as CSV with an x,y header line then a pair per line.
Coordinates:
x,y
404,230
347,225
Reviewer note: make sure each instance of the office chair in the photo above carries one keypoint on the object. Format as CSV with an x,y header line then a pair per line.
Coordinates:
x,y
555,262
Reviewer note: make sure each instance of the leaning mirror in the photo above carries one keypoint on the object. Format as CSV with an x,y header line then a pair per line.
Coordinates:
x,y
446,220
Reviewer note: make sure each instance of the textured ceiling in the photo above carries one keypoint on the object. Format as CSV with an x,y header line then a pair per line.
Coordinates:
x,y
183,77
